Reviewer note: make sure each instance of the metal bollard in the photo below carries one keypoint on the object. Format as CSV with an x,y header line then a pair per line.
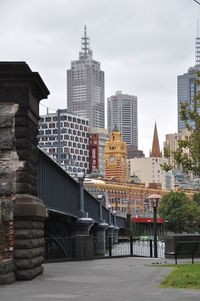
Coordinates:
x,y
131,245
151,248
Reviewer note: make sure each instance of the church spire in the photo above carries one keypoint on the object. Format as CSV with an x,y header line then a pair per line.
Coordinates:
x,y
155,145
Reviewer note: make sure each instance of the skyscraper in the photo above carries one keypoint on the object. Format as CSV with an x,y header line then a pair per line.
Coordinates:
x,y
122,112
64,137
187,86
85,86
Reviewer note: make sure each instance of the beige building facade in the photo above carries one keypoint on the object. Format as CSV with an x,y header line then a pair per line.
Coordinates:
x,y
171,144
149,171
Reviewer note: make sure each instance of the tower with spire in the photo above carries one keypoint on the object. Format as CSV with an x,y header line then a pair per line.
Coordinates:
x,y
156,153
85,86
85,52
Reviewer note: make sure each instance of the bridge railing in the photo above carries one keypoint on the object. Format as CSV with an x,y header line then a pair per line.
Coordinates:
x,y
55,187
60,192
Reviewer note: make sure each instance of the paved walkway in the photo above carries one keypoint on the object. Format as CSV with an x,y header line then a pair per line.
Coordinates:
x,y
119,279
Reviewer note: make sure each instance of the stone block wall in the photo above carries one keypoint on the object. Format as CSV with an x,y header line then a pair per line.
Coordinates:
x,y
8,169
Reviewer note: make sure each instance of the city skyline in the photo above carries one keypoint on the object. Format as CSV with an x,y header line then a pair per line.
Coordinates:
x,y
142,50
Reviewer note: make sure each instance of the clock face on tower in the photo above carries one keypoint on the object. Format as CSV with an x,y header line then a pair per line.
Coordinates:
x,y
112,159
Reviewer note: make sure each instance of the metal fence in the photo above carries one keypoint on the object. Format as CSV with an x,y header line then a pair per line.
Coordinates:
x,y
59,247
64,247
143,248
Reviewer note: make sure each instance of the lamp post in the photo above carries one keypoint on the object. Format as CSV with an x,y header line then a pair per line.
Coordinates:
x,y
100,197
109,215
155,198
114,212
155,204
81,177
194,224
165,227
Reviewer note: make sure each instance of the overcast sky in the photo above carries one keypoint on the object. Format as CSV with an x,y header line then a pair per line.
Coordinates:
x,y
142,46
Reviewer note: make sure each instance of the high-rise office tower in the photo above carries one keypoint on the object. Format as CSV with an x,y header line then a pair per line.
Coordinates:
x,y
122,113
186,85
64,137
85,86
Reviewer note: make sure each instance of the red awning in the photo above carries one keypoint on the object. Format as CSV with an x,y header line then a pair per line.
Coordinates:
x,y
147,220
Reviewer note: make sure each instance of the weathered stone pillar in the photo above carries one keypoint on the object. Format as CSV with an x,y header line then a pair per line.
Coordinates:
x,y
22,89
8,167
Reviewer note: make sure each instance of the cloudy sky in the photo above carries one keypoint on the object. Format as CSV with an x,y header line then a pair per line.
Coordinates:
x,y
142,46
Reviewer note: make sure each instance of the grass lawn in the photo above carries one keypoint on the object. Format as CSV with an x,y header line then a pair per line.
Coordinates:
x,y
183,276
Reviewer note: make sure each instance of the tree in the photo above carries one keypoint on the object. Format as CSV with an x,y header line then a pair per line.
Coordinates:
x,y
196,198
179,211
187,154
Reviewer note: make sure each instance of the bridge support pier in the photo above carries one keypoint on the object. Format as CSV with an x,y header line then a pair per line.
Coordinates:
x,y
99,238
110,233
83,241
20,93
116,230
30,214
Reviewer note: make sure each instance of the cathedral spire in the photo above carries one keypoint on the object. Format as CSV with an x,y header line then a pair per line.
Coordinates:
x,y
155,145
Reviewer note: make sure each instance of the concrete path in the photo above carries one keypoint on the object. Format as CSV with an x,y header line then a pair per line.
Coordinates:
x,y
119,279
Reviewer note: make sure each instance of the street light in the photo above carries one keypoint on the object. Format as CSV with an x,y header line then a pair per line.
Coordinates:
x,y
194,224
109,216
165,227
155,205
81,177
155,198
114,212
100,197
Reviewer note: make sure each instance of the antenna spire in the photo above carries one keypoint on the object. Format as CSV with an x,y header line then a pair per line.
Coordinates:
x,y
197,54
85,45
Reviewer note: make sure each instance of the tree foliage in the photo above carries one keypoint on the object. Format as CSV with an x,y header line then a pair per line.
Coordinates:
x,y
188,153
180,213
196,198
